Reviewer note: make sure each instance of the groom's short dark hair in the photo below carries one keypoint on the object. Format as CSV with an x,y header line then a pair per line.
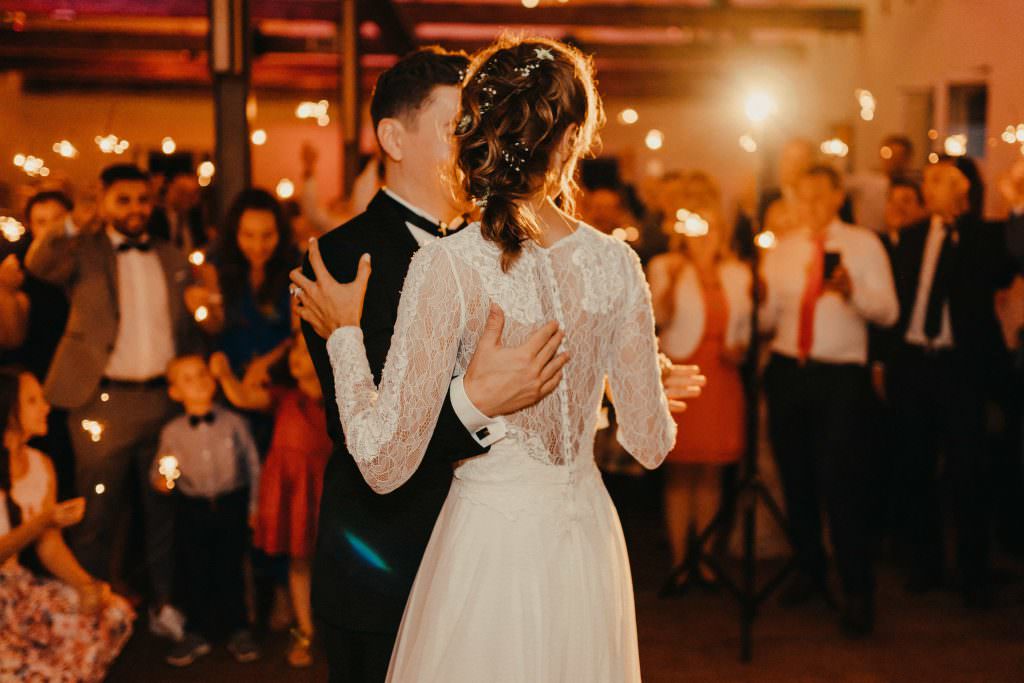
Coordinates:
x,y
406,87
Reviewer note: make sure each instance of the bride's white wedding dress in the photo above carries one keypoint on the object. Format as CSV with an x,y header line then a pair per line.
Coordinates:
x,y
526,577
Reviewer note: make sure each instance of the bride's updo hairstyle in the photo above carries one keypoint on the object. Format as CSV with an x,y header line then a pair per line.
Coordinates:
x,y
529,111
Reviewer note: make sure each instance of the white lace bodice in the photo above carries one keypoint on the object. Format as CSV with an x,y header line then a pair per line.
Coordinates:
x,y
593,285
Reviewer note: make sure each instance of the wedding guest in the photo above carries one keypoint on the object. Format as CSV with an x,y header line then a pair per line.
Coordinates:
x,y
292,477
943,355
69,626
702,305
208,459
127,321
825,283
179,219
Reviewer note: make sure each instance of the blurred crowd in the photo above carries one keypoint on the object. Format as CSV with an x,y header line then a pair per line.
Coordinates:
x,y
160,405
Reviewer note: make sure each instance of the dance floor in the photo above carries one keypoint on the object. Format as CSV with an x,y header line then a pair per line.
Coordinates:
x,y
695,638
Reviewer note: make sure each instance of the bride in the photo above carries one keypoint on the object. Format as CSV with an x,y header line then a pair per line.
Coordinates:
x,y
526,577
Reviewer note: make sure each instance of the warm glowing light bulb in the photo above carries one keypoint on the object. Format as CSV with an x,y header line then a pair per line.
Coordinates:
x,y
835,147
285,189
655,139
259,137
955,145
885,152
747,143
100,489
933,158
206,169
19,160
65,149
197,258
168,145
765,240
530,4
11,228
202,313
759,106
628,117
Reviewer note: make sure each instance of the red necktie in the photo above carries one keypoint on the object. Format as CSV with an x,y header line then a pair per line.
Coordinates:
x,y
809,302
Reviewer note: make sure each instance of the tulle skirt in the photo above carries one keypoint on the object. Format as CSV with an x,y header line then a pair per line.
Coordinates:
x,y
525,580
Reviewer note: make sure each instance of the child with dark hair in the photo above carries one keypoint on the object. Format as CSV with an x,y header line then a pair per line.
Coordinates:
x,y
67,627
208,458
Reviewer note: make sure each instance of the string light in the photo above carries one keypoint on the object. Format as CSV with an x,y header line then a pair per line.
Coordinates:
x,y
1019,133
65,149
94,428
956,145
690,224
104,397
314,110
197,258
285,189
1009,135
111,144
866,100
655,139
11,228
31,165
628,117
933,134
835,147
202,313
933,158
259,137
100,489
747,143
168,145
765,240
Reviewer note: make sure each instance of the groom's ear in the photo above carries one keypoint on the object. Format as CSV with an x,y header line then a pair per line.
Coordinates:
x,y
391,136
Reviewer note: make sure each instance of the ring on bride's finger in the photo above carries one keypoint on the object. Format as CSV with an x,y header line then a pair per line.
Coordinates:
x,y
295,290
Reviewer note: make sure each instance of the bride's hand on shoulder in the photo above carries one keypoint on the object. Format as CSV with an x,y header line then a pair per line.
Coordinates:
x,y
325,303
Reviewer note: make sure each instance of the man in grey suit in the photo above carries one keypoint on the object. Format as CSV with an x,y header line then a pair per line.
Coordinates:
x,y
127,321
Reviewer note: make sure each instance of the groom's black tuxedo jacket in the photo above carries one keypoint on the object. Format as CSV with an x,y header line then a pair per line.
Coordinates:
x,y
369,546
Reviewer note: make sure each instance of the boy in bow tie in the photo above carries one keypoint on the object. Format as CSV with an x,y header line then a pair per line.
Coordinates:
x,y
208,457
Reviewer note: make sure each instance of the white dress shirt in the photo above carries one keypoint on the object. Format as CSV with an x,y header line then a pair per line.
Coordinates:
x,y
929,262
840,326
485,430
145,337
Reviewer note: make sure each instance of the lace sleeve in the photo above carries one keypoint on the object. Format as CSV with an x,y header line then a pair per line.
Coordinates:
x,y
646,427
387,429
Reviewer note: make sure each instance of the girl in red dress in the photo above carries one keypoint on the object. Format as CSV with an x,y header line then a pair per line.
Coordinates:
x,y
702,304
292,477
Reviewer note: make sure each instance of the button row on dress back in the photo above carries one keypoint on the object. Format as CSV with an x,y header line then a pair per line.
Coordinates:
x,y
563,387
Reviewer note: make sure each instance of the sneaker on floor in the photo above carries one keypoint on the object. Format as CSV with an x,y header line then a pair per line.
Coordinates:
x,y
167,623
190,648
243,648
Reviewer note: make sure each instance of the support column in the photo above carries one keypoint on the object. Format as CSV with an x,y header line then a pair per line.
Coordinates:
x,y
230,56
348,93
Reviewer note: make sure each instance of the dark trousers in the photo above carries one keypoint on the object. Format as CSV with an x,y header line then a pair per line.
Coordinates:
x,y
939,408
212,538
356,656
105,467
818,418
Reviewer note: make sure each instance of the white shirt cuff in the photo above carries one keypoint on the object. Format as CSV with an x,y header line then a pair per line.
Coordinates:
x,y
485,430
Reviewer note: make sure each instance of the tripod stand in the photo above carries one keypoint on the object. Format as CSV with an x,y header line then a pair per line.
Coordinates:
x,y
750,492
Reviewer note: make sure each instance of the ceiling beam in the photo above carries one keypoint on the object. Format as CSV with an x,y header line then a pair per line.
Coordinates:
x,y
717,18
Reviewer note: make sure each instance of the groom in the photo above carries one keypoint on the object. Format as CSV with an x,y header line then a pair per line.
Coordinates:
x,y
369,546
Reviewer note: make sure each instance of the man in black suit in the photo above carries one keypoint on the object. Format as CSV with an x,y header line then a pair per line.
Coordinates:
x,y
179,220
939,362
369,546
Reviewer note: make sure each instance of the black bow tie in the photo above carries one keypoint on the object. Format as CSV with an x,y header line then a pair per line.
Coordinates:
x,y
196,420
421,222
128,245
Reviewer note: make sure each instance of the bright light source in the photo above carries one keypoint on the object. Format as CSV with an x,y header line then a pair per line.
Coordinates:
x,y
835,147
202,313
759,106
11,228
197,258
530,4
628,117
1019,133
100,489
65,149
766,240
655,139
748,143
619,234
19,160
285,188
259,136
111,144
632,233
933,158
865,98
867,114
313,110
885,152
956,145
206,170
933,134
690,224
168,145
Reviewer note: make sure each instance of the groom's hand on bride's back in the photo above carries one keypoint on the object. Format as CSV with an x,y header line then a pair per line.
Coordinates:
x,y
502,380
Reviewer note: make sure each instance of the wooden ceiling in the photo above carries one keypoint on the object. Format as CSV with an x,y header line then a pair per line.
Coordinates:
x,y
655,47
